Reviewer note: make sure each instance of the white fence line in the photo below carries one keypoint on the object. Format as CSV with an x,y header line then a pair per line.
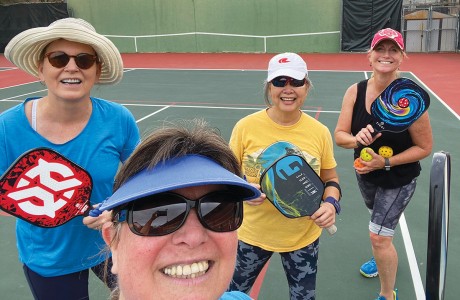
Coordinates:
x,y
264,37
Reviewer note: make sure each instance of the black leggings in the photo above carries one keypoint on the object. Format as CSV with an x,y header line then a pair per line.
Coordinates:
x,y
72,286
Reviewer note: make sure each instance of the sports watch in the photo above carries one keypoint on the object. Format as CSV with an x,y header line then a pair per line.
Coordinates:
x,y
334,202
387,164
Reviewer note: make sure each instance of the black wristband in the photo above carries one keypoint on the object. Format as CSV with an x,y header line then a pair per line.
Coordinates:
x,y
336,185
387,164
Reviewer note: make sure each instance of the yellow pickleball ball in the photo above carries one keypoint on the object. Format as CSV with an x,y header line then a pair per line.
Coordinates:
x,y
364,155
386,151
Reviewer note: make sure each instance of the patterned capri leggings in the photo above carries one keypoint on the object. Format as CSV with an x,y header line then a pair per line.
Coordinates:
x,y
386,205
300,267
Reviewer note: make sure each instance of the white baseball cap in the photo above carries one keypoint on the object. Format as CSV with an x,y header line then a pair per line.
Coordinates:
x,y
287,64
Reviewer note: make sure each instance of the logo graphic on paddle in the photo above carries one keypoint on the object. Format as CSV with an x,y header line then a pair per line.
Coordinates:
x,y
44,188
292,186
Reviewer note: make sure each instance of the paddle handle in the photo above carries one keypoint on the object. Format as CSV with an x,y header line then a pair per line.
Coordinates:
x,y
331,229
372,134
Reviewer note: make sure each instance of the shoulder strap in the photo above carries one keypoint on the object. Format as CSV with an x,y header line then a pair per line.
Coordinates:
x,y
34,114
362,87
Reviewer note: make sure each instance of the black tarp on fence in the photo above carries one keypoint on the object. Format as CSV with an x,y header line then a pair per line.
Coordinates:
x,y
362,19
19,17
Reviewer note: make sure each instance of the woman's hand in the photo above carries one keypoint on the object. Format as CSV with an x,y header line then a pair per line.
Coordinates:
x,y
325,215
376,163
259,200
96,221
364,136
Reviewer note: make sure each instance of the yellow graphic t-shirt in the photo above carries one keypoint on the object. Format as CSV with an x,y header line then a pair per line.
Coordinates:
x,y
258,142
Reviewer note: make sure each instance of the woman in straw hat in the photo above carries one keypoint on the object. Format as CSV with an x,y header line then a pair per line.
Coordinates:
x,y
387,184
69,57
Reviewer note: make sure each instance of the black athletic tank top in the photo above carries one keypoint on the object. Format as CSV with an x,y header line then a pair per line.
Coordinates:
x,y
398,175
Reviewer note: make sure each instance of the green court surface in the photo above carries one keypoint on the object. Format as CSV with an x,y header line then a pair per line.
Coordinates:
x,y
222,97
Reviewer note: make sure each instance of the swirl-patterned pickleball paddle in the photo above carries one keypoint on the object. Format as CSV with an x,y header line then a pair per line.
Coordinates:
x,y
44,188
399,106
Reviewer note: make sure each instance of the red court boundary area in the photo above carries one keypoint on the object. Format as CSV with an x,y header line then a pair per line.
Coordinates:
x,y
14,76
440,71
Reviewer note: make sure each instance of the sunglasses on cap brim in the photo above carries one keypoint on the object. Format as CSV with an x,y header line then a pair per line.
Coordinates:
x,y
164,213
282,81
59,59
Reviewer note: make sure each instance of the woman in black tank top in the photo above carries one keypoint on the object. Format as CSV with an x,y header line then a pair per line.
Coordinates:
x,y
386,184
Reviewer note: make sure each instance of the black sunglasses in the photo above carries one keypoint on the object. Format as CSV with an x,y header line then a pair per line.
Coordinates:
x,y
282,81
164,213
59,59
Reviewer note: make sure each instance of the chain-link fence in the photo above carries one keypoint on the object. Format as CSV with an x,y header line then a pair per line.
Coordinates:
x,y
431,27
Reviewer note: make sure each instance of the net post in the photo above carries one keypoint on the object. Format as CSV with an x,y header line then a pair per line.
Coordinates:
x,y
438,225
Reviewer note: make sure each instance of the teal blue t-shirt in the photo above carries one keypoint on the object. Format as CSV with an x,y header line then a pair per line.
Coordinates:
x,y
235,296
107,140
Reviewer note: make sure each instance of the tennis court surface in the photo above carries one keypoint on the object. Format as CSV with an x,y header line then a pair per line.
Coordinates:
x,y
222,88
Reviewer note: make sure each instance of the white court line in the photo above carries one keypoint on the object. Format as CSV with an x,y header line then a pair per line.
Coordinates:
x,y
154,113
228,69
2,69
413,265
221,107
437,97
16,85
6,99
187,106
10,98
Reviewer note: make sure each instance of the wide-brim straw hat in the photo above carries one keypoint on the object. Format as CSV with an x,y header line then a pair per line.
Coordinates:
x,y
26,49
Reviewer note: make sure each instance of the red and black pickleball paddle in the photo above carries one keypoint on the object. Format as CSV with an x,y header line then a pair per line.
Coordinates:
x,y
44,188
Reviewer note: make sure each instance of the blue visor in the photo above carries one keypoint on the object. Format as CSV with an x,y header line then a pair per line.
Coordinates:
x,y
176,173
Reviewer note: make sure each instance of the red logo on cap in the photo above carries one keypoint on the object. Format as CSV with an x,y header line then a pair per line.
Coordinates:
x,y
388,32
283,60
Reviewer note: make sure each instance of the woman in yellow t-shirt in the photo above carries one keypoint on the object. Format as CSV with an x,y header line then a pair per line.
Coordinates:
x,y
260,139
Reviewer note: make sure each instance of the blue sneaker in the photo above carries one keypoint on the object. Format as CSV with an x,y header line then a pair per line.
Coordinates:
x,y
369,269
395,296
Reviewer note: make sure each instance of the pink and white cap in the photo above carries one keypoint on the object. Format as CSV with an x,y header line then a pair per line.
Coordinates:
x,y
388,34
